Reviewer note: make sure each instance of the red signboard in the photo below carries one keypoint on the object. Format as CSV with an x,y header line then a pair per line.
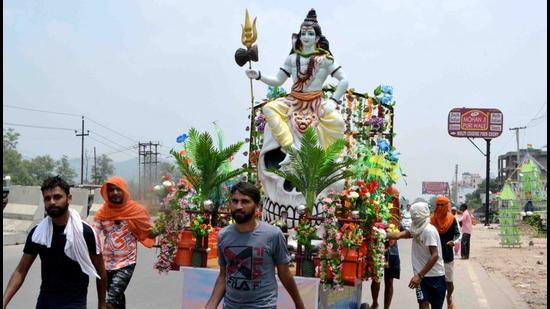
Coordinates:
x,y
475,122
433,187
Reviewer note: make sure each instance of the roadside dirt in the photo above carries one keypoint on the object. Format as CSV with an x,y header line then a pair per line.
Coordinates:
x,y
525,267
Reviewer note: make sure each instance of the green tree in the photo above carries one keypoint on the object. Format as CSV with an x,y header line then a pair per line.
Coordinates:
x,y
65,170
474,199
12,160
40,168
104,169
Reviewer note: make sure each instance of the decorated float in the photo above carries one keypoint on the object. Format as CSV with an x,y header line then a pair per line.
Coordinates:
x,y
323,156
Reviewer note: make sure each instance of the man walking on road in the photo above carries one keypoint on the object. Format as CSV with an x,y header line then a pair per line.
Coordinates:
x,y
69,252
467,228
426,256
123,222
241,284
446,225
391,271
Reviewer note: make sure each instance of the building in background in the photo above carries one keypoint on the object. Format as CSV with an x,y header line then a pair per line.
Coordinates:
x,y
507,163
467,184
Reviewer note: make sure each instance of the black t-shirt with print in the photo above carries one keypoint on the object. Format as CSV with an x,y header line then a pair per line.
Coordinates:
x,y
60,274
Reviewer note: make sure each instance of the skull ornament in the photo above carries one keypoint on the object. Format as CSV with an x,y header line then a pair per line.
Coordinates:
x,y
279,194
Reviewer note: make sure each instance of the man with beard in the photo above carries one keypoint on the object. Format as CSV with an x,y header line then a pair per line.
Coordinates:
x,y
248,252
123,222
69,252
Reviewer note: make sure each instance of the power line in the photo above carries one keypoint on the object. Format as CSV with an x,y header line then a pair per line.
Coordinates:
x,y
105,138
537,114
101,125
41,111
38,127
536,124
121,150
68,114
107,145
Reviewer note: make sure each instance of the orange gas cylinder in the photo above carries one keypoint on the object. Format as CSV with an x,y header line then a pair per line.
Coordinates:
x,y
350,265
186,243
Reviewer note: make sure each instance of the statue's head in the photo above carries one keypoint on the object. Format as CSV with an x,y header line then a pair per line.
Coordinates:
x,y
310,33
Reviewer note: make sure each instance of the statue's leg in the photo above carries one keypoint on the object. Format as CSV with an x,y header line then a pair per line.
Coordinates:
x,y
330,128
276,114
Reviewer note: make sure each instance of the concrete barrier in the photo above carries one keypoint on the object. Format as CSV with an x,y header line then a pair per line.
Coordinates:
x,y
80,201
96,203
24,210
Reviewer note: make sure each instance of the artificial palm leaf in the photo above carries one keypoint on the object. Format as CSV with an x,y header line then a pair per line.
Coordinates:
x,y
312,168
204,165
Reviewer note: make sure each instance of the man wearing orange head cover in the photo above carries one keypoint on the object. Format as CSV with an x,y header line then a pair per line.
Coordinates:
x,y
449,233
123,222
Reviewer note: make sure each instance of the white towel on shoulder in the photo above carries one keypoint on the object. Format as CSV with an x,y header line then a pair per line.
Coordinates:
x,y
75,246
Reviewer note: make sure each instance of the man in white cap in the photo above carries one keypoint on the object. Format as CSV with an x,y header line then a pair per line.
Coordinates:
x,y
427,260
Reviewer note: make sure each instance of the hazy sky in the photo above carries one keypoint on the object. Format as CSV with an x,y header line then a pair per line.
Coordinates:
x,y
152,69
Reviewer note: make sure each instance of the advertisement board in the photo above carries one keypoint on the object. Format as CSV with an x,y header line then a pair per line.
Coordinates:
x,y
475,122
435,187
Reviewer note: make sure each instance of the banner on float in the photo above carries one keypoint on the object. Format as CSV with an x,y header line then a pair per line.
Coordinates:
x,y
199,282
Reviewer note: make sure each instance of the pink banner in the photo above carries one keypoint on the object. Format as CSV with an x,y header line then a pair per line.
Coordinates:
x,y
434,187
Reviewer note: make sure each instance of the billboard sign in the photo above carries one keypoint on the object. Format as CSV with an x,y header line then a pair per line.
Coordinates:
x,y
435,187
475,122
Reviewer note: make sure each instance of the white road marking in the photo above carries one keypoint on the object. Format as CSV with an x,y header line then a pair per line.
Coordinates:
x,y
477,287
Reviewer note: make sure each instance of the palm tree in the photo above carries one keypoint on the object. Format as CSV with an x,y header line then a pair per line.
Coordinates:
x,y
312,168
204,165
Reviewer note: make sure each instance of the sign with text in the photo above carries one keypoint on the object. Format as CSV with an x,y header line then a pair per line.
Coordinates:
x,y
475,122
435,187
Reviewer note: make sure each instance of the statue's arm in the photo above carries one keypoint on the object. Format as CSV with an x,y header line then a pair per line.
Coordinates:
x,y
282,75
338,73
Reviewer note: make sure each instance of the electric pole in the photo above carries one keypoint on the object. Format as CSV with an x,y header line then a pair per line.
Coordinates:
x,y
82,134
86,168
518,158
456,184
95,168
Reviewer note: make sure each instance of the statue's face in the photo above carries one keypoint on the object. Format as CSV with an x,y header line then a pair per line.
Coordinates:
x,y
308,37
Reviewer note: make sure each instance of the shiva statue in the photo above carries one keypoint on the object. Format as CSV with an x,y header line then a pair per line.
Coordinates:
x,y
309,63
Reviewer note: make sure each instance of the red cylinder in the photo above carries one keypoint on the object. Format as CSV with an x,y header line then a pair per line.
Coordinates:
x,y
350,265
213,243
186,243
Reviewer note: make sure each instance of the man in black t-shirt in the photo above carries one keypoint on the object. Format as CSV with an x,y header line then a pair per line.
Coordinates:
x,y
447,227
65,266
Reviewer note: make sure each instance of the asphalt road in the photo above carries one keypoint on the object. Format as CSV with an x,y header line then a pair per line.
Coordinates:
x,y
475,288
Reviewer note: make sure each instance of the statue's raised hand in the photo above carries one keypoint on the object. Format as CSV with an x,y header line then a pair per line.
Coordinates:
x,y
252,74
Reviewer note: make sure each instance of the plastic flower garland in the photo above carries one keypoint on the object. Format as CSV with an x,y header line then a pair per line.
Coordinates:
x,y
330,270
169,225
352,236
199,228
377,249
305,233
